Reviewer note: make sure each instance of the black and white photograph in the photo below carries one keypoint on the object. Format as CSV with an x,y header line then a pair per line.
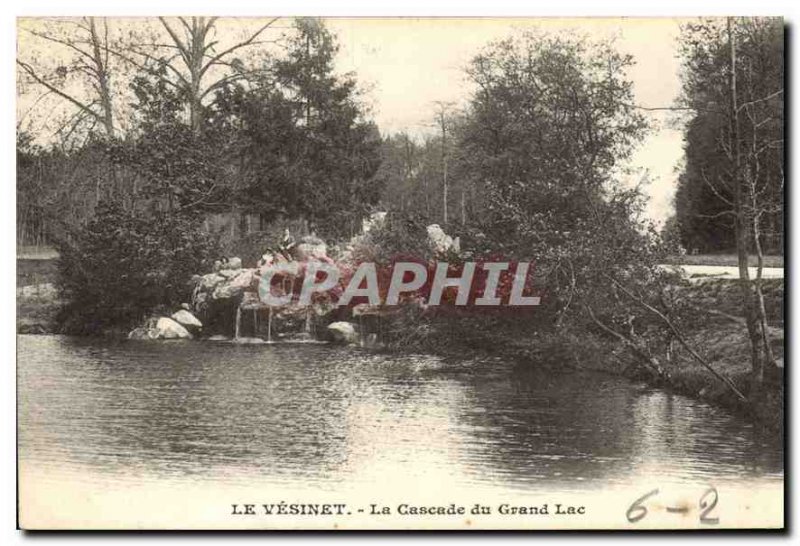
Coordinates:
x,y
400,273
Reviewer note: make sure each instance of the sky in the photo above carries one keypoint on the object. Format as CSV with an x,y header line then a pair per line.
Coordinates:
x,y
408,64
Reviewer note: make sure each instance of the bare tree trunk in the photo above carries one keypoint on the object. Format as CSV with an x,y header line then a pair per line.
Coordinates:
x,y
443,125
759,293
741,226
100,60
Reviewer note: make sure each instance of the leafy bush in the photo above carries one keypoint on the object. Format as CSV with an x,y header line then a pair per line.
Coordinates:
x,y
122,265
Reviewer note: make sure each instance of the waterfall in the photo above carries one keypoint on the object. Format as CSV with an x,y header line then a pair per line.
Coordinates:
x,y
238,321
269,326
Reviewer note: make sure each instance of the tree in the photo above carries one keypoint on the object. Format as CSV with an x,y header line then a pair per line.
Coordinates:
x,y
83,56
195,65
546,134
733,81
441,119
706,193
550,121
399,170
307,150
183,170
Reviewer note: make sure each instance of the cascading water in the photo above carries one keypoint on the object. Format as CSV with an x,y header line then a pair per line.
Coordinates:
x,y
238,322
269,325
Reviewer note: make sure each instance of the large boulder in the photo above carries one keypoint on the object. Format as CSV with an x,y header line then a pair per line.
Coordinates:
x,y
440,242
186,319
160,328
343,332
166,328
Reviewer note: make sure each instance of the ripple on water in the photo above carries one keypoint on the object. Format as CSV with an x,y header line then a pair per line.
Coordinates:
x,y
96,410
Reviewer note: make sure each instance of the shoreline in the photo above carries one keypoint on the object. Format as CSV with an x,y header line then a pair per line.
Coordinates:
x,y
721,337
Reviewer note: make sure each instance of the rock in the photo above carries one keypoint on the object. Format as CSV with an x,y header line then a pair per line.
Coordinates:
x,y
245,279
33,328
147,331
143,333
166,328
209,281
343,332
186,319
366,309
322,308
41,291
311,247
235,263
228,273
250,301
441,242
376,219
219,338
226,290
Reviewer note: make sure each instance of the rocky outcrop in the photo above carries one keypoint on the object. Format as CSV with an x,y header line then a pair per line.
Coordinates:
x,y
343,332
227,300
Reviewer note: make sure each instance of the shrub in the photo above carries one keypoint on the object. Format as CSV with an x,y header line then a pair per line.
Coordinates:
x,y
122,265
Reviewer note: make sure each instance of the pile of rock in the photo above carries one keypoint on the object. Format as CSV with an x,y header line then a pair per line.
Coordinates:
x,y
223,284
178,326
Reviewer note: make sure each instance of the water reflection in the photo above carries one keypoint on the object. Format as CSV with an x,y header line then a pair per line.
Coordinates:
x,y
331,416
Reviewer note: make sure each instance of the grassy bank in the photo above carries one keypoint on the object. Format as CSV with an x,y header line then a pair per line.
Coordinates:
x,y
729,260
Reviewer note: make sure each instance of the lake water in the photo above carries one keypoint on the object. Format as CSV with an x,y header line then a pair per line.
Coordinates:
x,y
132,428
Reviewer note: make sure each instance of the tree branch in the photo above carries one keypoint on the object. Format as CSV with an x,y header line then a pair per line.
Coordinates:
x,y
678,335
27,68
233,48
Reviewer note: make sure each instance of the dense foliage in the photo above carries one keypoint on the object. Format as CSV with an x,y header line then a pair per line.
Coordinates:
x,y
705,195
542,146
281,137
123,265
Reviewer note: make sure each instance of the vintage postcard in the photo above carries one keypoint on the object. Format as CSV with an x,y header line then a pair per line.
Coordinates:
x,y
284,273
